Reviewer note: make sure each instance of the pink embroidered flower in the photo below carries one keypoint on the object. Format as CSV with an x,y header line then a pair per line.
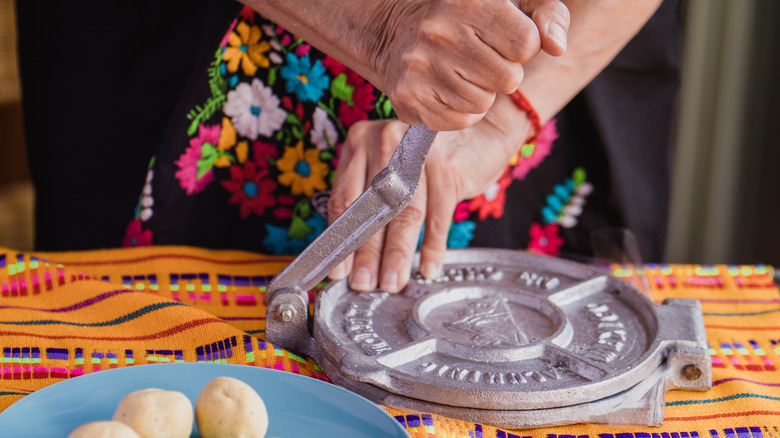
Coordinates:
x,y
188,161
531,156
545,240
251,190
135,236
461,212
491,203
362,101
302,50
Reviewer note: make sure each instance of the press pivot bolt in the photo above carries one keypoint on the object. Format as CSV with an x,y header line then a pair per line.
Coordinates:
x,y
287,312
691,372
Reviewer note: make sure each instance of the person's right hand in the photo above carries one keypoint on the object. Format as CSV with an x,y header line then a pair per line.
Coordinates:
x,y
442,62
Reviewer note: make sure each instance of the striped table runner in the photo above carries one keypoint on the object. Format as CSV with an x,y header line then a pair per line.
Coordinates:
x,y
63,315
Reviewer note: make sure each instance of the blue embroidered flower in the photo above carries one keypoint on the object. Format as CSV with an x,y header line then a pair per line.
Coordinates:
x,y
461,233
279,242
306,80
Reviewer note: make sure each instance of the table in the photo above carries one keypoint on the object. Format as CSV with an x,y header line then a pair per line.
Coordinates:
x,y
63,315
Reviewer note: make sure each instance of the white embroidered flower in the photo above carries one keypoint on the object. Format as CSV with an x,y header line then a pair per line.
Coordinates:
x,y
254,110
567,221
147,201
146,214
275,58
324,133
492,192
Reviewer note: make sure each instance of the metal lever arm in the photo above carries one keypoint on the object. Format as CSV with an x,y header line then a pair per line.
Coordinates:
x,y
389,193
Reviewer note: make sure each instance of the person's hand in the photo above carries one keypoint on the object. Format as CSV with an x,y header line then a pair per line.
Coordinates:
x,y
460,165
442,62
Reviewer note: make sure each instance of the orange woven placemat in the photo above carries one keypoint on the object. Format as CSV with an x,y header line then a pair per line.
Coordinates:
x,y
67,314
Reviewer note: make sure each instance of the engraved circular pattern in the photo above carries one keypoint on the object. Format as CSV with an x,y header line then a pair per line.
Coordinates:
x,y
482,316
498,329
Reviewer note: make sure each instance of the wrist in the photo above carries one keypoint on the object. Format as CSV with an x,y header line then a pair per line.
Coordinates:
x,y
533,117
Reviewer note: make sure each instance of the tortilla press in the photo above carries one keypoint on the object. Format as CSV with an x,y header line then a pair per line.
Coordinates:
x,y
501,337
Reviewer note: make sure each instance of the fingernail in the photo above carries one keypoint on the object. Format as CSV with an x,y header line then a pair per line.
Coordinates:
x,y
361,280
389,280
556,33
430,270
338,273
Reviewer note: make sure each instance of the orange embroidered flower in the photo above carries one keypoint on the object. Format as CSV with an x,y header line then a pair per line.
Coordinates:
x,y
245,48
302,170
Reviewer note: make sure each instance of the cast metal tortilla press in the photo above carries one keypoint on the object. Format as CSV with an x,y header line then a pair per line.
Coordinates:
x,y
502,337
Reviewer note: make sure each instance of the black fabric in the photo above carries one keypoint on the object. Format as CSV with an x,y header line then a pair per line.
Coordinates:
x,y
99,82
105,88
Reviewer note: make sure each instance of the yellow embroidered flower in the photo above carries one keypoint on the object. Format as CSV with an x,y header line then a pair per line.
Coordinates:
x,y
227,135
302,170
245,48
242,149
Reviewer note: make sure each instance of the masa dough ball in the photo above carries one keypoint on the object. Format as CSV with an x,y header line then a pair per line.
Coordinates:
x,y
104,429
229,408
156,413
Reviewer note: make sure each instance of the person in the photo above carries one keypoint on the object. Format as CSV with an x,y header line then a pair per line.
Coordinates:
x,y
221,126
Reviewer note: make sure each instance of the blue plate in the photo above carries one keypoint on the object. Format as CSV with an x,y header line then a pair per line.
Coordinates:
x,y
297,405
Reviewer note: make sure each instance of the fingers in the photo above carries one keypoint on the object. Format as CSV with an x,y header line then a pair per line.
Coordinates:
x,y
440,209
552,18
365,152
401,238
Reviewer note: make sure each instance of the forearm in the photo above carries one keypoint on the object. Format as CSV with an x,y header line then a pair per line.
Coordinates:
x,y
348,30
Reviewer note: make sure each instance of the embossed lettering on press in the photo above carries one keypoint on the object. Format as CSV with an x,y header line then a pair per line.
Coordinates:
x,y
611,333
360,326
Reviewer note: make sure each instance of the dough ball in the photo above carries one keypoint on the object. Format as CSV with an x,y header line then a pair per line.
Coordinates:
x,y
156,413
104,429
229,408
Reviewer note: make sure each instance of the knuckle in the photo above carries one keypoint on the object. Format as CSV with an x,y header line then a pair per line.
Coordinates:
x,y
369,253
411,216
400,250
437,227
336,205
483,103
511,78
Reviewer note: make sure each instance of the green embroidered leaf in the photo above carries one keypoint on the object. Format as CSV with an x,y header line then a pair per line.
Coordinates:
x,y
297,132
299,229
209,155
326,155
292,118
302,208
579,176
212,105
341,90
387,108
272,76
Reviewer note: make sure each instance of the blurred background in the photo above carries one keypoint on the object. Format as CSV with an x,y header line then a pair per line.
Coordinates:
x,y
726,187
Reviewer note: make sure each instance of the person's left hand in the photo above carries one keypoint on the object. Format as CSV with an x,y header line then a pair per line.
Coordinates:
x,y
460,165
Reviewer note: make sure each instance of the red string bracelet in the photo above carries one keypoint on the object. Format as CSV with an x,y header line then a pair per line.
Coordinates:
x,y
533,116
